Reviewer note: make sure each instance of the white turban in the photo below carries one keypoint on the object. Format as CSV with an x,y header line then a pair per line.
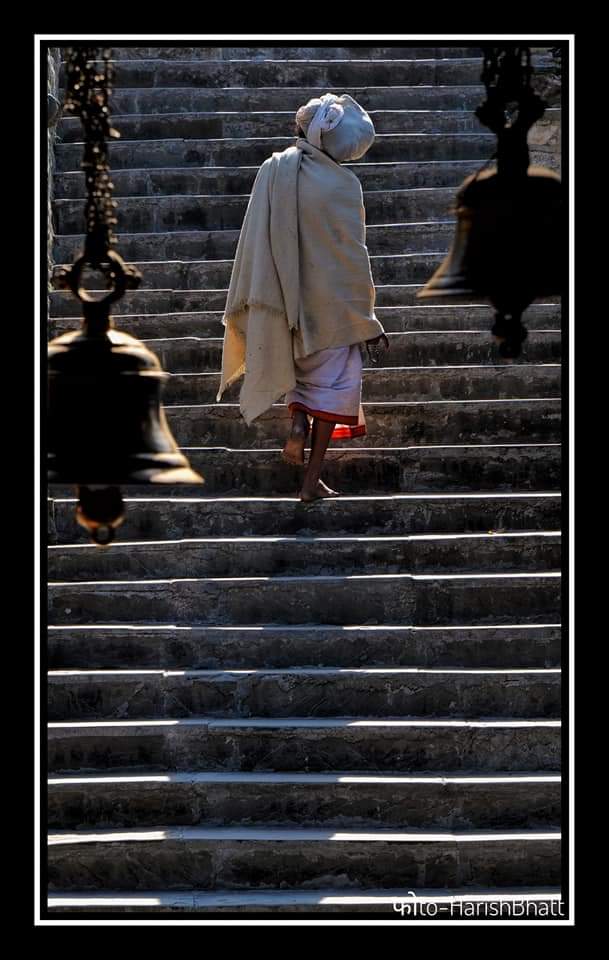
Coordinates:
x,y
337,125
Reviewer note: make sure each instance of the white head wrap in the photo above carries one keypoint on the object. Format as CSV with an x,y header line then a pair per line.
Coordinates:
x,y
337,125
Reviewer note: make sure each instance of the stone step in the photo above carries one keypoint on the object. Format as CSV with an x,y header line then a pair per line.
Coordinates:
x,y
240,556
226,212
210,648
305,744
389,424
423,599
356,52
218,125
338,799
454,904
244,100
539,316
156,517
64,304
423,349
205,181
302,692
225,856
405,383
466,468
382,239
236,152
325,72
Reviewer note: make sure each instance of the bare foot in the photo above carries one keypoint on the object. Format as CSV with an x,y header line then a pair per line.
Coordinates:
x,y
321,492
293,451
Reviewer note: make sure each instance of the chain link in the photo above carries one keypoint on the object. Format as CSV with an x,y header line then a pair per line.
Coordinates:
x,y
88,88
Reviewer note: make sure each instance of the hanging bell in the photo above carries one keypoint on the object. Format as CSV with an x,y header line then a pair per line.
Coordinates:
x,y
106,424
508,248
508,243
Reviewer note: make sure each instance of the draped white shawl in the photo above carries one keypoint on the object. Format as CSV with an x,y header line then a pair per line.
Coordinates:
x,y
301,279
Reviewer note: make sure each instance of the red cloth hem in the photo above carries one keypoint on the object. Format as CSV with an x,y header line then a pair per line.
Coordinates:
x,y
323,414
346,427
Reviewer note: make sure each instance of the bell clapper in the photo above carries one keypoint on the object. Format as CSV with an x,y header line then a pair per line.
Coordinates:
x,y
100,510
510,333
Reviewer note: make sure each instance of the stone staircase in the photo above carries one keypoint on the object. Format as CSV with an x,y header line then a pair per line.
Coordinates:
x,y
256,706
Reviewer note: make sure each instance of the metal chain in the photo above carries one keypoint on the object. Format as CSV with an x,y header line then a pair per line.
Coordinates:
x,y
87,91
507,72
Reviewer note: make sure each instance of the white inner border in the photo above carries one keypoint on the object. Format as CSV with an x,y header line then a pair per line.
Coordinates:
x,y
39,176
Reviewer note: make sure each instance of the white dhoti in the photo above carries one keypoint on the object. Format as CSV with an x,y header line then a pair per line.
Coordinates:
x,y
329,387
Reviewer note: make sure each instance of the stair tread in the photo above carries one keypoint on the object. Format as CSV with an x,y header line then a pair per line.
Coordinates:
x,y
187,834
311,722
339,776
329,895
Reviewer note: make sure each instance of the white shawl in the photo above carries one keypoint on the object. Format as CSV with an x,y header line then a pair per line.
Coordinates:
x,y
301,280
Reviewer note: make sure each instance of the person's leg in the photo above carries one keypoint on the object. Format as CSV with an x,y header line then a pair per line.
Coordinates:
x,y
293,450
313,488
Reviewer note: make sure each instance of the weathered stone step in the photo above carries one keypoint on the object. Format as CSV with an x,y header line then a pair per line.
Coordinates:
x,y
302,692
382,239
466,468
305,744
327,73
339,799
211,648
194,99
64,304
389,147
324,52
155,518
218,125
311,555
204,181
190,857
418,348
237,181
422,599
389,424
454,904
226,212
405,383
539,316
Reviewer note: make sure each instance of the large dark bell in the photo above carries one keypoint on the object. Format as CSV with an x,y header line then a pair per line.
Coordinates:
x,y
106,424
509,245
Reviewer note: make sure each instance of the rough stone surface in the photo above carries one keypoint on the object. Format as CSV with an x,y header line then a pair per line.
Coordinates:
x,y
257,705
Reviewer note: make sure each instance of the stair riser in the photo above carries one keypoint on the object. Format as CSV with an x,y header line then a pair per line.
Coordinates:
x,y
235,153
291,53
215,73
209,649
418,805
470,383
221,245
299,600
217,126
168,520
200,100
394,320
425,349
203,181
240,558
372,695
442,423
173,301
201,747
242,864
463,469
159,214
